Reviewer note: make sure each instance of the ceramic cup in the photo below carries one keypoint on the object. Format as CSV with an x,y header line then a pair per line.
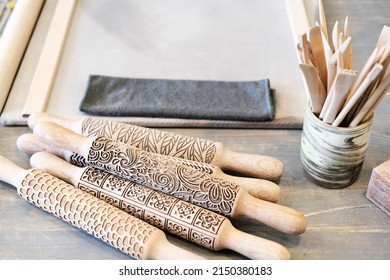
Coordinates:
x,y
333,156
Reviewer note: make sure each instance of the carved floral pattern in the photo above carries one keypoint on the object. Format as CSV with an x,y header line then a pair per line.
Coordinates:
x,y
152,140
164,174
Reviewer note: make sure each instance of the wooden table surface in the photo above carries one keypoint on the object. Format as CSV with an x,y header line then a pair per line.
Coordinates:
x,y
342,224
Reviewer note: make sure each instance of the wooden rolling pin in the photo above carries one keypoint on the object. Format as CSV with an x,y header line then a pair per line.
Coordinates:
x,y
171,144
165,174
263,189
191,222
90,214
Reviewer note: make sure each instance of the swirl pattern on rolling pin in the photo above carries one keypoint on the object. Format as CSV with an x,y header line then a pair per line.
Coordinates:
x,y
152,140
79,160
168,213
115,227
164,174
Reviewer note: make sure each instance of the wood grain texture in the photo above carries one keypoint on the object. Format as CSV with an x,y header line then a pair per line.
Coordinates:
x,y
342,224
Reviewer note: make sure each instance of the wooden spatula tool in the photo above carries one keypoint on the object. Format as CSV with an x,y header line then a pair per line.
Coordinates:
x,y
338,93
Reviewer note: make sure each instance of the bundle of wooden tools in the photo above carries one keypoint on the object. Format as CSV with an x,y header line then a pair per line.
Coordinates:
x,y
175,188
338,95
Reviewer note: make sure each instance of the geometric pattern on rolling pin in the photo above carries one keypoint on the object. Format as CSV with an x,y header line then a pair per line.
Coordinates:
x,y
163,174
166,212
122,231
152,140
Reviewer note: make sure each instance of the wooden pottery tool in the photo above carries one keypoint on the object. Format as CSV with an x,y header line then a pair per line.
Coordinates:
x,y
372,102
378,190
315,38
384,37
312,81
172,144
347,54
327,49
164,211
372,60
88,213
164,174
338,94
336,36
371,76
263,189
322,17
304,48
333,62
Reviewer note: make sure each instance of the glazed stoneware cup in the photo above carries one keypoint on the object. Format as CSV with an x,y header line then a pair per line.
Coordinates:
x,y
333,156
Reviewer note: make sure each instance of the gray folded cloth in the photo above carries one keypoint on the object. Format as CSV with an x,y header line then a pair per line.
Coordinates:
x,y
188,99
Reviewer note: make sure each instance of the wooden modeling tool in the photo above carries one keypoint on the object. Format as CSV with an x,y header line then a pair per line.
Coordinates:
x,y
327,49
172,144
385,61
263,189
322,17
303,44
88,213
166,212
347,54
372,102
336,36
384,37
334,62
372,60
312,81
371,77
161,173
317,46
338,93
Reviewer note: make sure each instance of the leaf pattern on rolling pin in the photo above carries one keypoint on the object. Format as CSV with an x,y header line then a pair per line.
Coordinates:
x,y
152,140
164,174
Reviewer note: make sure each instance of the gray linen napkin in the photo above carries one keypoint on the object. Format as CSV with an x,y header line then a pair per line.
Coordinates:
x,y
189,99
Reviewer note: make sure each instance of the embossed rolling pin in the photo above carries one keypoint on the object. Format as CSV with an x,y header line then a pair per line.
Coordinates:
x,y
161,173
263,189
171,144
164,211
90,214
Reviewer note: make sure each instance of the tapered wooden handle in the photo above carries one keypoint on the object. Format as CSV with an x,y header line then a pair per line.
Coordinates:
x,y
178,217
117,228
282,218
258,166
170,144
263,189
256,248
259,188
11,173
30,144
58,137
